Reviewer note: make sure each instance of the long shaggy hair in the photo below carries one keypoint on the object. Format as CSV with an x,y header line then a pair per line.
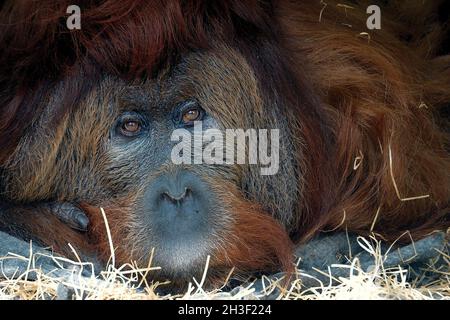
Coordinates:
x,y
375,155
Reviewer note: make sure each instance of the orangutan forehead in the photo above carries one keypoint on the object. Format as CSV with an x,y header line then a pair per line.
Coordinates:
x,y
111,40
220,79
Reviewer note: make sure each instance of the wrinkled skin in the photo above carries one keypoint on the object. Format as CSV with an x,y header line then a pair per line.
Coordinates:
x,y
150,201
68,214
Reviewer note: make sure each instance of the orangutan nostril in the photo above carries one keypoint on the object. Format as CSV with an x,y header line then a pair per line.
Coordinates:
x,y
178,199
174,197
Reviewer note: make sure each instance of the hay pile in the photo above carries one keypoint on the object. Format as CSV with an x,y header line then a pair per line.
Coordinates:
x,y
123,283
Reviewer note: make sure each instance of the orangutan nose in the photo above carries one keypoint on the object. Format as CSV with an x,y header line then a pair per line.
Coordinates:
x,y
178,200
177,197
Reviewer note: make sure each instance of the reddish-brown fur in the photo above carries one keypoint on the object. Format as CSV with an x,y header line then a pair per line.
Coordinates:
x,y
376,100
255,242
37,48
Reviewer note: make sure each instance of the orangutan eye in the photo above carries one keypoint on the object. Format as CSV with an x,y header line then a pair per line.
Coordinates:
x,y
188,113
191,115
130,125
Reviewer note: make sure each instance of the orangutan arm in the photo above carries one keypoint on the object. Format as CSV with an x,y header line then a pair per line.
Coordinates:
x,y
53,225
